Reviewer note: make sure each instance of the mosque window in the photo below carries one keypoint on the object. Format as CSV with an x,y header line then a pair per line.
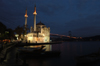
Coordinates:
x,y
34,35
43,27
29,35
39,27
40,36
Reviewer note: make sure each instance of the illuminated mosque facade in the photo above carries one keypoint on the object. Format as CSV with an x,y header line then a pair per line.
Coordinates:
x,y
39,33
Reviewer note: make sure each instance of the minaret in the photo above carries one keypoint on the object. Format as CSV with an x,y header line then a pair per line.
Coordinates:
x,y
26,21
34,13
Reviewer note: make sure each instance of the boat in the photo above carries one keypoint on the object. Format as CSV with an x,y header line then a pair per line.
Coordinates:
x,y
37,53
29,50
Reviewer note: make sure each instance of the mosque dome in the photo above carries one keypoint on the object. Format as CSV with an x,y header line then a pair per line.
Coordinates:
x,y
40,23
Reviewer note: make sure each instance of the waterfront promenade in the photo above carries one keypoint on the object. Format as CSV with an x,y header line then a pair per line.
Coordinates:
x,y
9,54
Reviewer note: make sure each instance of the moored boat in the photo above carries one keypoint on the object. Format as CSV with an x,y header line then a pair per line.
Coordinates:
x,y
38,52
29,50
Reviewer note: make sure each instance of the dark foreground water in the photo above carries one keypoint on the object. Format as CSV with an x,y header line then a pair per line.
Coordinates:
x,y
69,50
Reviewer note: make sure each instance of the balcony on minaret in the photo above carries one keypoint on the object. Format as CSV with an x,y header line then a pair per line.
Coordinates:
x,y
35,13
35,10
25,15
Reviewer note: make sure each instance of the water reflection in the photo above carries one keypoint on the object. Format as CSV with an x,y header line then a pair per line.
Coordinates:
x,y
69,50
35,62
81,49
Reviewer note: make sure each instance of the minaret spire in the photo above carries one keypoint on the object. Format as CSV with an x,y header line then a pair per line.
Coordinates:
x,y
35,8
26,21
26,13
34,13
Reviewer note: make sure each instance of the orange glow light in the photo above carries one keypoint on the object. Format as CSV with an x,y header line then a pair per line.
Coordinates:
x,y
25,15
35,13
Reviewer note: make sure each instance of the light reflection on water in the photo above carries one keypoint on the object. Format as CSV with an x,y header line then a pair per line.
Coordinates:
x,y
69,50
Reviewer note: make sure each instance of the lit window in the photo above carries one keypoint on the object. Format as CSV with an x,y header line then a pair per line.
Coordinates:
x,y
34,35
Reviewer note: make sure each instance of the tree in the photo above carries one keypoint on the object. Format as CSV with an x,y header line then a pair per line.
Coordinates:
x,y
19,30
10,33
6,33
2,28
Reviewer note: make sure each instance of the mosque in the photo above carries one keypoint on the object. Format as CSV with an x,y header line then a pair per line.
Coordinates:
x,y
39,33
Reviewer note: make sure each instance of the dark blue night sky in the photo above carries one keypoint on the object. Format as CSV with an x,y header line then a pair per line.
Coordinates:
x,y
81,17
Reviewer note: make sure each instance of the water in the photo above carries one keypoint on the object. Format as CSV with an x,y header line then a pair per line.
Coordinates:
x,y
69,50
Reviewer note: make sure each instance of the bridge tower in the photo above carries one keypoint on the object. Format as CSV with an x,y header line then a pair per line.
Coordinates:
x,y
69,33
